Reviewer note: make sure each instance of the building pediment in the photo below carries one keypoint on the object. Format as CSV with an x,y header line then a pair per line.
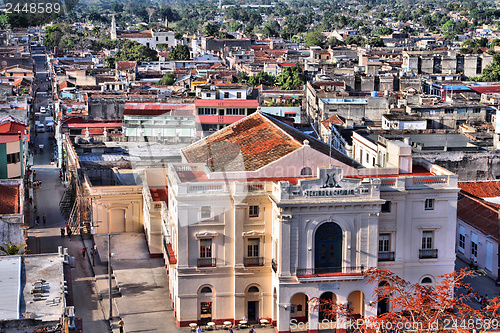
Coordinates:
x,y
206,234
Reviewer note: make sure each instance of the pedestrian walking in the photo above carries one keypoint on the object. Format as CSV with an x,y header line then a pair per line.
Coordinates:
x,y
31,200
69,233
120,325
62,231
34,171
83,253
37,220
44,219
252,330
34,209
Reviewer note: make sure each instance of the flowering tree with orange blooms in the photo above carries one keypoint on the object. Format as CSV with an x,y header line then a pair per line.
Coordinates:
x,y
445,306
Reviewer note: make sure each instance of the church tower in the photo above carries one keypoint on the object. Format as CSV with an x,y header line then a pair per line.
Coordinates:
x,y
113,28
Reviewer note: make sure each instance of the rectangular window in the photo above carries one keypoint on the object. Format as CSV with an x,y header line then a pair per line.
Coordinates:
x,y
473,246
476,110
429,204
384,243
207,111
367,158
13,158
209,95
253,247
238,94
461,238
427,240
206,212
226,95
448,110
386,207
205,248
253,211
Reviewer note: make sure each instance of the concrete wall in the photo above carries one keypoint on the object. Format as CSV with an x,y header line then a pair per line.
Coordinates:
x,y
469,166
10,229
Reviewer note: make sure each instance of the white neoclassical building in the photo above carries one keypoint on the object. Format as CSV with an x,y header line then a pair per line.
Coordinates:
x,y
262,218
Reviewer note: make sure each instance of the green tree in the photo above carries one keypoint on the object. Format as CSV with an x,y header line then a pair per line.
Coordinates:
x,y
315,38
211,29
382,31
495,42
262,78
242,77
11,249
133,51
291,78
167,79
333,42
448,26
179,52
491,73
373,42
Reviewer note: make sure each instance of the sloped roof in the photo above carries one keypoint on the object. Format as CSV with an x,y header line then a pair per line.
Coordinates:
x,y
260,139
125,65
486,189
479,214
335,120
156,109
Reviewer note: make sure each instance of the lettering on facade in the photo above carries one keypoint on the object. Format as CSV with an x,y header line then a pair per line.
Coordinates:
x,y
328,193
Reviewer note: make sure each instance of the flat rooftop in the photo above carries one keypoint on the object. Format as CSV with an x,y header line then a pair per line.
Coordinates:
x,y
10,279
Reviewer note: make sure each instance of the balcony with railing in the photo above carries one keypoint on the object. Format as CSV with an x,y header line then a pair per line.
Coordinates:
x,y
253,261
341,273
428,253
386,256
206,262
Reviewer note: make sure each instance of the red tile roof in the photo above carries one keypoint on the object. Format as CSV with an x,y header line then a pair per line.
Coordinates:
x,y
335,120
125,65
252,143
486,189
241,103
486,89
479,214
135,34
9,200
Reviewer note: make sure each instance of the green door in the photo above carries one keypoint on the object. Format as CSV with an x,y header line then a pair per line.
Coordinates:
x,y
328,248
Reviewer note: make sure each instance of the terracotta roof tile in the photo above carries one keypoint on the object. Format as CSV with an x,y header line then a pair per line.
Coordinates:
x,y
252,143
125,65
479,214
9,200
335,120
486,189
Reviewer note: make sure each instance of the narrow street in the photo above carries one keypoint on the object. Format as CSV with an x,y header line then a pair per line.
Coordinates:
x,y
45,238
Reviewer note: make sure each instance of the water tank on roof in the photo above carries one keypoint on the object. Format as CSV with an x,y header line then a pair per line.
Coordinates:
x,y
374,94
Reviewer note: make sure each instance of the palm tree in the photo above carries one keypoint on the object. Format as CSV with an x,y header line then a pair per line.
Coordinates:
x,y
11,249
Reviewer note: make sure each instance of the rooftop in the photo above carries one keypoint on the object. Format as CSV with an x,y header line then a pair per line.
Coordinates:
x,y
479,214
252,143
484,189
10,275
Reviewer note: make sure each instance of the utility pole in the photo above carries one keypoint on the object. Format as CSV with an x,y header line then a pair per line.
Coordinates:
x,y
109,278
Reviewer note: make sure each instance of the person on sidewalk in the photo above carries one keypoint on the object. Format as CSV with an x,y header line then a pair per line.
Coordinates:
x,y
83,253
252,330
62,231
44,219
37,220
120,325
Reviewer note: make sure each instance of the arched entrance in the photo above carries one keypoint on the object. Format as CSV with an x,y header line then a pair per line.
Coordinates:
x,y
383,304
299,308
206,297
328,248
253,302
356,301
328,301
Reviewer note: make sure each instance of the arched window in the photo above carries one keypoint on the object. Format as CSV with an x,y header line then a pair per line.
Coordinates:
x,y
307,171
205,290
328,248
253,289
426,280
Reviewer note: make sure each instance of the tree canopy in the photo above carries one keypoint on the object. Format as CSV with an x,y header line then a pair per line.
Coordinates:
x,y
179,52
133,51
291,78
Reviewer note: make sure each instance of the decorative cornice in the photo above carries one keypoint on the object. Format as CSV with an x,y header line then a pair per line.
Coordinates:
x,y
253,233
429,226
204,234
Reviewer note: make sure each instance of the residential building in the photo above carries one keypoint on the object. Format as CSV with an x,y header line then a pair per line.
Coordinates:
x,y
403,122
478,226
12,212
258,225
163,122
